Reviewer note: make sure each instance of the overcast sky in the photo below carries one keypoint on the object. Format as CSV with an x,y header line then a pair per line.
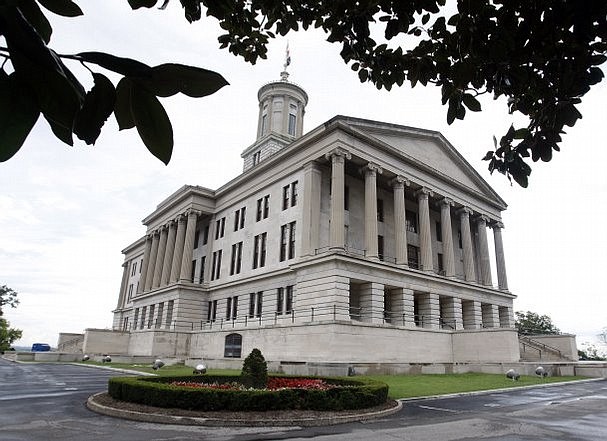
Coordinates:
x,y
67,212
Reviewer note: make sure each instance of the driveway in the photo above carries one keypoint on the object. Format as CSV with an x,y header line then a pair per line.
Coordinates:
x,y
46,402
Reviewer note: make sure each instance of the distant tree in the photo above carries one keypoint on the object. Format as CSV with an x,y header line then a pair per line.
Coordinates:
x,y
542,56
7,334
8,297
591,353
603,335
533,323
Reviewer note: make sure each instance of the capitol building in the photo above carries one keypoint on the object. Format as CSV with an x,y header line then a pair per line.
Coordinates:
x,y
358,242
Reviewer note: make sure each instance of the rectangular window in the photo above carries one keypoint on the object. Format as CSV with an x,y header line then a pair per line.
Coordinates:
x,y
196,238
255,304
259,250
160,312
280,299
252,301
232,308
239,218
220,226
203,262
235,262
169,321
216,266
193,273
411,221
263,207
259,304
151,318
287,241
380,247
140,265
439,232
205,235
289,300
257,155
130,296
125,324
286,192
134,269
136,318
441,269
293,194
143,314
292,124
212,311
413,256
380,210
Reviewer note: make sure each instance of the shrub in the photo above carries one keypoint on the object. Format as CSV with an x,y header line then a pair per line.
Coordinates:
x,y
254,370
157,391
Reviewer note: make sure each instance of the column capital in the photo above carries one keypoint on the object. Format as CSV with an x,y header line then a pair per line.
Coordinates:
x,y
497,225
125,264
465,211
191,211
180,218
483,218
169,223
400,182
424,193
371,169
311,165
338,153
447,201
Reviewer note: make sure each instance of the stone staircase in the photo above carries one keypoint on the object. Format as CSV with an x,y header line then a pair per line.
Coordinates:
x,y
533,350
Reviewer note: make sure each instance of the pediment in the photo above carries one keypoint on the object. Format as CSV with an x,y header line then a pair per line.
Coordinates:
x,y
429,148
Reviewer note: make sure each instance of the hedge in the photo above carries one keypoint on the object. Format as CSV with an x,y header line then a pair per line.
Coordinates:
x,y
157,391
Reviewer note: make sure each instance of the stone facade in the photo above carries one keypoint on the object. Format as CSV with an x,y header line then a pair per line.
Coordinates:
x,y
359,241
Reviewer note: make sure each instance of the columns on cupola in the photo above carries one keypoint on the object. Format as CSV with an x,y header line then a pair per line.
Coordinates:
x,y
400,227
371,171
168,252
337,232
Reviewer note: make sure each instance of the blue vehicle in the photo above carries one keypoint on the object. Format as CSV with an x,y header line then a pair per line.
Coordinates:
x,y
40,347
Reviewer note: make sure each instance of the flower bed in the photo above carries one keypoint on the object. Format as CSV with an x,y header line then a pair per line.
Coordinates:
x,y
211,393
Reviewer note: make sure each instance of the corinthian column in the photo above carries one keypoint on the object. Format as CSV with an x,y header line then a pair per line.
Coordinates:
x,y
160,257
336,235
146,263
464,218
153,254
500,260
168,254
481,225
446,229
371,171
425,240
188,246
178,253
400,229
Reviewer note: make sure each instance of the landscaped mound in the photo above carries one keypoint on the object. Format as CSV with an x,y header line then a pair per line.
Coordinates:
x,y
214,393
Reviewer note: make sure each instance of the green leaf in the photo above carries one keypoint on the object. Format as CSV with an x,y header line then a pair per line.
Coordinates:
x,y
152,123
65,8
122,106
18,114
471,102
136,4
61,132
169,79
34,16
98,106
124,66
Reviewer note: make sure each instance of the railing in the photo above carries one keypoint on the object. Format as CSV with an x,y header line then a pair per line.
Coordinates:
x,y
538,346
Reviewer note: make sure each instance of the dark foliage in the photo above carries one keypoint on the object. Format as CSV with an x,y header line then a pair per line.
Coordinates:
x,y
254,370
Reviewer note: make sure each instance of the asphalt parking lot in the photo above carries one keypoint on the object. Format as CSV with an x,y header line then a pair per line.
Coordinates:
x,y
46,402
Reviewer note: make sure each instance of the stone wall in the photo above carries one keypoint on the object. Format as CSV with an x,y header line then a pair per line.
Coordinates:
x,y
105,341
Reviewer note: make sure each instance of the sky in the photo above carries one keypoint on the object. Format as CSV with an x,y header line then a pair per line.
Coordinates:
x,y
67,212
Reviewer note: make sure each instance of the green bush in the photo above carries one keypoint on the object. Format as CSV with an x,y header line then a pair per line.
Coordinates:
x,y
156,391
254,370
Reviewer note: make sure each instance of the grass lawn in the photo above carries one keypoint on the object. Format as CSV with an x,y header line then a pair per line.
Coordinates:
x,y
409,386
401,386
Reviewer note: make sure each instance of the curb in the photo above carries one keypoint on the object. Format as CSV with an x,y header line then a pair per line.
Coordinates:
x,y
241,421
